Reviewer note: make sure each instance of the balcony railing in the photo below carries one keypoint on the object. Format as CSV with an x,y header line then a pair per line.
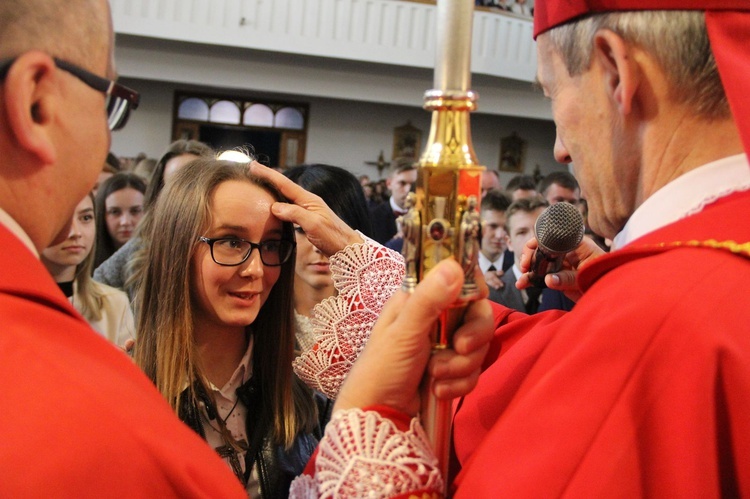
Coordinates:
x,y
378,31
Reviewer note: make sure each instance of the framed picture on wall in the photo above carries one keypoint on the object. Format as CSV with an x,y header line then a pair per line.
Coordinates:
x,y
512,153
407,141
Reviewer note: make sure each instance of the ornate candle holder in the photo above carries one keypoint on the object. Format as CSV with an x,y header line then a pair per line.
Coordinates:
x,y
443,220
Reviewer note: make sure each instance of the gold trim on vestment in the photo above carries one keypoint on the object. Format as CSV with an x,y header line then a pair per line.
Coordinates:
x,y
742,249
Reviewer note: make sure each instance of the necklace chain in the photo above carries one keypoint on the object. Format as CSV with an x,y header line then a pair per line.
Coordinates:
x,y
232,447
230,450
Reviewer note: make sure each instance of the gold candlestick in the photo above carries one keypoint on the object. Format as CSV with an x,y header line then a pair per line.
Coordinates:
x,y
443,220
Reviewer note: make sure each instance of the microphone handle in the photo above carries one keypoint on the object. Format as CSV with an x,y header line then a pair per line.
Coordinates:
x,y
542,264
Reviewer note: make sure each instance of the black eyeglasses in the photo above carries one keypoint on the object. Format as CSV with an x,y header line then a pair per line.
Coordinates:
x,y
120,99
231,251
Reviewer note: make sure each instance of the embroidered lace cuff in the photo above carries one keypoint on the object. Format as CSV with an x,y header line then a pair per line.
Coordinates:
x,y
365,455
365,276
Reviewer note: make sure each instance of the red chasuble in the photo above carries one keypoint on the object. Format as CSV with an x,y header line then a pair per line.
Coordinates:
x,y
642,390
79,419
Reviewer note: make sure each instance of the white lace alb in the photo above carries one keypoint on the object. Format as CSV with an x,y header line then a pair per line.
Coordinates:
x,y
365,276
304,331
364,455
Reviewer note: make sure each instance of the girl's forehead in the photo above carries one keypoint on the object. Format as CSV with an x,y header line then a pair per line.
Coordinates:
x,y
85,203
243,206
126,191
239,191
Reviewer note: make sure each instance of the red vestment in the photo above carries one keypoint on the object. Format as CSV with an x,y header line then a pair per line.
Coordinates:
x,y
79,419
642,390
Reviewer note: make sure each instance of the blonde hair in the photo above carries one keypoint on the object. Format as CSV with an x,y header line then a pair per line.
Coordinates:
x,y
134,267
166,351
677,40
88,295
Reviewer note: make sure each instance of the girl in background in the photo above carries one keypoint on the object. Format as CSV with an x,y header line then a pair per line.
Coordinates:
x,y
343,194
215,323
119,208
106,309
120,270
178,154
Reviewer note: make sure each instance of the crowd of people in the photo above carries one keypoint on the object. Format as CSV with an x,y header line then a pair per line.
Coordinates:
x,y
520,7
123,221
500,246
272,351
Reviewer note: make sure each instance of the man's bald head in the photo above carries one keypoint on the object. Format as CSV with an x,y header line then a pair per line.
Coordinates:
x,y
53,126
75,30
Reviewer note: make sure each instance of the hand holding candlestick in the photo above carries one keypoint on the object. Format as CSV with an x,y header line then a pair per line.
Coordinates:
x,y
445,233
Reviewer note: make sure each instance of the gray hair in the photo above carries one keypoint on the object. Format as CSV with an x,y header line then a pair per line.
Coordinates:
x,y
677,40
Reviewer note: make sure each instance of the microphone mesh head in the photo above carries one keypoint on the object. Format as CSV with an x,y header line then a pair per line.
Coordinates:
x,y
559,228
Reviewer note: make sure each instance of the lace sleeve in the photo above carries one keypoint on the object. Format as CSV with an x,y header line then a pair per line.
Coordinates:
x,y
364,454
365,276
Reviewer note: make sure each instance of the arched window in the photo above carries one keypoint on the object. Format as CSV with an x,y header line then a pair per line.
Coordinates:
x,y
277,129
193,109
258,115
289,117
225,111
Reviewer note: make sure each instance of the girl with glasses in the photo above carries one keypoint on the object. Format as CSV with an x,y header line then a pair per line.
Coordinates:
x,y
216,326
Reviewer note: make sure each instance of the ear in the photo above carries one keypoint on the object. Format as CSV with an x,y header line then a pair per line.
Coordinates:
x,y
30,94
619,67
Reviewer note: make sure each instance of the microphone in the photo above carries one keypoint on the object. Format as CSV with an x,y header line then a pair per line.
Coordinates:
x,y
559,229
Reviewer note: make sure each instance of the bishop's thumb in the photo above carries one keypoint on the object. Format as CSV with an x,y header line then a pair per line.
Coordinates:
x,y
438,290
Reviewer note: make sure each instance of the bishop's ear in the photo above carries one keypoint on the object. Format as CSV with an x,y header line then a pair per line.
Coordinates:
x,y
619,67
30,97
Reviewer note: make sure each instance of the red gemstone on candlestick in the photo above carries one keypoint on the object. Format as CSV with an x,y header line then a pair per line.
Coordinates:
x,y
437,231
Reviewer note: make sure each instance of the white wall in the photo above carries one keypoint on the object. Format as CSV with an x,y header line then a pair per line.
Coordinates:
x,y
377,31
341,132
257,70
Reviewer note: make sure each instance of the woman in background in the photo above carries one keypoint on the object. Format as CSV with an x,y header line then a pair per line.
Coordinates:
x,y
144,168
215,323
107,309
343,194
119,270
110,167
178,154
119,208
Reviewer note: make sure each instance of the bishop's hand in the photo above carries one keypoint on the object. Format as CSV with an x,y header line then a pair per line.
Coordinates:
x,y
392,364
323,228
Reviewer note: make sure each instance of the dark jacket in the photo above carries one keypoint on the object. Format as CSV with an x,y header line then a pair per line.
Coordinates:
x,y
555,300
508,257
508,295
277,466
383,222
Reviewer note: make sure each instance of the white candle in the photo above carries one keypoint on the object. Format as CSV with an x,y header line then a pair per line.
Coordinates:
x,y
453,47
